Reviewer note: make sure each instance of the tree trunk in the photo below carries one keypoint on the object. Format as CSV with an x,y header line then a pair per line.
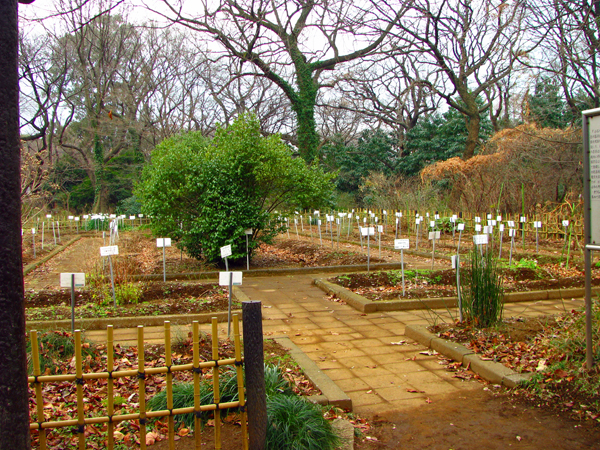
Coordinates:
x,y
472,121
14,404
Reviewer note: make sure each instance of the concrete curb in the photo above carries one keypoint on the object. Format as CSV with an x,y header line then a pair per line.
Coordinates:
x,y
30,267
272,272
492,371
332,394
368,306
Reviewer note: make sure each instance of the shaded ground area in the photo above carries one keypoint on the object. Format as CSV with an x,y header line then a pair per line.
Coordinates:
x,y
479,420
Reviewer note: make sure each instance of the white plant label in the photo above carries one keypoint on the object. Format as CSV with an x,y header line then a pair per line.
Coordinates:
x,y
453,258
384,212
401,244
434,235
140,215
511,223
499,218
480,239
65,279
86,217
319,222
112,216
537,224
33,231
76,219
512,232
432,224
163,242
248,231
477,219
48,216
226,251
501,227
565,223
109,250
71,217
487,229
224,278
489,217
460,227
367,231
380,228
317,213
452,219
478,228
523,219
131,217
493,222
436,217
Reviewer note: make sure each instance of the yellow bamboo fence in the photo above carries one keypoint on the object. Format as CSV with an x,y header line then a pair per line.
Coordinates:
x,y
79,378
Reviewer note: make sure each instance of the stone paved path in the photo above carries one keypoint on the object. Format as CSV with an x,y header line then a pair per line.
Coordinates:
x,y
366,355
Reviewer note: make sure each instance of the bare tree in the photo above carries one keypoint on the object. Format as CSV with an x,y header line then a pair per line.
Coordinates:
x,y
475,44
570,48
291,43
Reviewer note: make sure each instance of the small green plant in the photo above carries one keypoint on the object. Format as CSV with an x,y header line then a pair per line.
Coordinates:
x,y
128,293
482,290
294,423
54,346
527,264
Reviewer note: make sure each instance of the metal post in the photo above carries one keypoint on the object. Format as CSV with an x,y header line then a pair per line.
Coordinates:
x,y
247,255
164,263
256,399
368,249
229,307
587,238
112,281
460,309
402,265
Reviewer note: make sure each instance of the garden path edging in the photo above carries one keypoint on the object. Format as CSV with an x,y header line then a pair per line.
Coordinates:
x,y
491,371
365,305
30,267
332,394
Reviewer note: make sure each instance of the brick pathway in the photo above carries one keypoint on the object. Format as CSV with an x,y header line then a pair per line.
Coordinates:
x,y
366,355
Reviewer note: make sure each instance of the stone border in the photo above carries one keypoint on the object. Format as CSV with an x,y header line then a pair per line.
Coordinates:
x,y
492,371
332,394
30,267
365,305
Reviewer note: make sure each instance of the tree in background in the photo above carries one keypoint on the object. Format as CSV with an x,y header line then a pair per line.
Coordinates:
x,y
293,44
205,193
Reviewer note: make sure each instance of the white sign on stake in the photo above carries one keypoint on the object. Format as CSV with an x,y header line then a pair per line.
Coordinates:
x,y
434,235
224,278
460,226
511,223
109,250
501,227
380,228
65,279
512,232
163,242
477,219
453,259
48,216
226,251
477,228
432,224
480,239
523,219
401,244
537,224
248,231
565,223
367,231
489,217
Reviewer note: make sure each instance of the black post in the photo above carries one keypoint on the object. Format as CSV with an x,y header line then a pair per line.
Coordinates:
x,y
254,362
73,303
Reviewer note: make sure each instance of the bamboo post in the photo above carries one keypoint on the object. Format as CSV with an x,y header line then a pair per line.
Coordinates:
x,y
79,383
196,365
39,400
216,394
255,374
110,385
142,387
168,363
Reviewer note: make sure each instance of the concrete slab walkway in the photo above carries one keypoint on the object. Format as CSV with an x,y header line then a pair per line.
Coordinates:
x,y
366,355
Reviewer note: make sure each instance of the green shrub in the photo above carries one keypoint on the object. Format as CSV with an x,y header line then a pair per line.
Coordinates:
x,y
127,293
482,290
295,424
54,347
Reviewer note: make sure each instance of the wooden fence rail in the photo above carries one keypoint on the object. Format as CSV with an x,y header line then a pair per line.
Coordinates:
x,y
79,378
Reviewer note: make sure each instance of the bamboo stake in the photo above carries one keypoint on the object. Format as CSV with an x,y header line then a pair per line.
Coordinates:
x,y
142,387
110,385
39,400
196,362
79,382
169,384
216,394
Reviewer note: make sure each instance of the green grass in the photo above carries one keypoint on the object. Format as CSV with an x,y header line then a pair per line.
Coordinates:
x,y
54,346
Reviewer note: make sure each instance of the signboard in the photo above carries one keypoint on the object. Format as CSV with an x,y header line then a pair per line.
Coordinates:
x,y
512,232
226,252
477,228
109,250
248,231
434,235
565,223
401,244
593,147
537,224
65,279
480,239
224,278
367,231
380,228
163,242
460,227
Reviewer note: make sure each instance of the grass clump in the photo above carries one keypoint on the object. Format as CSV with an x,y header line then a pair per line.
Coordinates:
x,y
482,292
54,347
295,424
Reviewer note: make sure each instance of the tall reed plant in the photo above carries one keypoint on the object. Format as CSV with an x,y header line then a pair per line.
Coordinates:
x,y
482,291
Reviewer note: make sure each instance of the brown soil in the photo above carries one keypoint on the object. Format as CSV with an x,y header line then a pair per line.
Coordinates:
x,y
442,283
